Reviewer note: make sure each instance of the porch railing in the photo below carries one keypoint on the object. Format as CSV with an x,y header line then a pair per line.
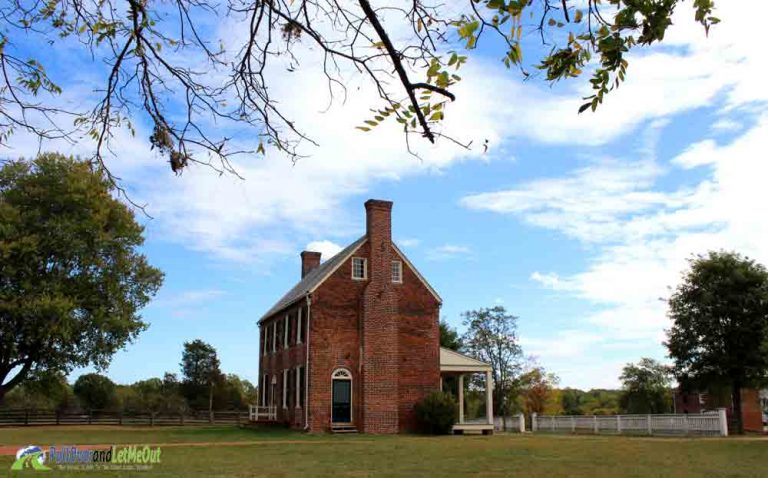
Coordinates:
x,y
256,413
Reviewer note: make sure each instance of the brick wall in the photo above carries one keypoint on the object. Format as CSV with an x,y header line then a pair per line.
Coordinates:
x,y
334,341
385,334
274,363
379,336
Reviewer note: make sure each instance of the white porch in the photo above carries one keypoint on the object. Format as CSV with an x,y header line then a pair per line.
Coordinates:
x,y
459,365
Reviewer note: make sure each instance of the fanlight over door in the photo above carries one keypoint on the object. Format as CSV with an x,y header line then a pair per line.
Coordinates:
x,y
341,389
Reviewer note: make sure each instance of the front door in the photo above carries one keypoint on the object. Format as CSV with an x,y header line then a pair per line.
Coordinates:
x,y
342,401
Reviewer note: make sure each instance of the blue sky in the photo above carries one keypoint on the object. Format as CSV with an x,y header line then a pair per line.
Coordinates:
x,y
575,223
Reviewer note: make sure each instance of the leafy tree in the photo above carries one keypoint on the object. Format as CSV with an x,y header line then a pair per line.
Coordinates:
x,y
537,387
72,280
95,392
235,393
646,387
720,324
449,337
45,391
161,55
571,399
201,372
491,337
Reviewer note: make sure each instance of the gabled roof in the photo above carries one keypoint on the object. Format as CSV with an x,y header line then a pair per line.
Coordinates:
x,y
452,361
418,274
317,276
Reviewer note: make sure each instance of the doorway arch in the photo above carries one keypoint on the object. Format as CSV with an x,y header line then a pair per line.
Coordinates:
x,y
341,396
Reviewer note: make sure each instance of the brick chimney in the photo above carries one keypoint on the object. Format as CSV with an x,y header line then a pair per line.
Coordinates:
x,y
309,261
379,325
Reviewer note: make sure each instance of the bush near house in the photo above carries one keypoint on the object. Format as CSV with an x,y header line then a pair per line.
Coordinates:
x,y
437,413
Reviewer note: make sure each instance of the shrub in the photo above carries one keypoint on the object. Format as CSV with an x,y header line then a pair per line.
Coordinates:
x,y
437,412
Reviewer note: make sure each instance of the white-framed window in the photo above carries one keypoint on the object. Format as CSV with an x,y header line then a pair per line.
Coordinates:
x,y
286,330
298,387
359,268
264,386
285,388
264,340
274,337
299,337
397,272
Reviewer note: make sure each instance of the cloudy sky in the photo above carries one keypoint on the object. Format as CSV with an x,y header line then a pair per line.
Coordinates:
x,y
578,224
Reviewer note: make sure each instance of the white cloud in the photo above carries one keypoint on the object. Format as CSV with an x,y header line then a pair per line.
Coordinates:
x,y
408,242
643,234
547,280
327,249
448,251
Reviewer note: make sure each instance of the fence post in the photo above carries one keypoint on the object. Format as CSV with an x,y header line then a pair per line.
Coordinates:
x,y
89,416
151,419
120,418
181,418
213,417
238,418
687,426
26,417
522,422
58,417
534,422
618,424
723,422
573,425
597,428
650,427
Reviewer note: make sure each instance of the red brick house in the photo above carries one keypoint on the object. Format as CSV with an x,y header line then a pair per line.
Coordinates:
x,y
698,402
355,343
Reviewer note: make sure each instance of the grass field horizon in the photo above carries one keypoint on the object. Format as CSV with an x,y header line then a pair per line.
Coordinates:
x,y
239,452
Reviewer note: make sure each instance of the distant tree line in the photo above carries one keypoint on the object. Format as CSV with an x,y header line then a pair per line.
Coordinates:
x,y
521,385
201,386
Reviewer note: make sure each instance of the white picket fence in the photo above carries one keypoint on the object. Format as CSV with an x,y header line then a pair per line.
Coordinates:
x,y
707,424
514,423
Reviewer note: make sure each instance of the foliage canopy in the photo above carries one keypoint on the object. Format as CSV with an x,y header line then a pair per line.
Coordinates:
x,y
171,64
720,324
72,278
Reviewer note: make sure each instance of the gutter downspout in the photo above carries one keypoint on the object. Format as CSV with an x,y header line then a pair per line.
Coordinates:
x,y
306,367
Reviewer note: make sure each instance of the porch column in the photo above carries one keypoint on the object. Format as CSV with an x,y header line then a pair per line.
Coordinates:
x,y
489,396
461,398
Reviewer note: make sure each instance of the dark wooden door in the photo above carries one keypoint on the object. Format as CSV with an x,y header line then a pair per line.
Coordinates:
x,y
342,401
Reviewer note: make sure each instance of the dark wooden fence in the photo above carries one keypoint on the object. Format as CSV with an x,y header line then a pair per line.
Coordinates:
x,y
17,417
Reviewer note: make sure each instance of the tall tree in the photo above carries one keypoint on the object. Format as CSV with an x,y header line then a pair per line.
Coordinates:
x,y
491,337
646,387
72,279
536,388
449,337
200,370
720,324
168,64
95,392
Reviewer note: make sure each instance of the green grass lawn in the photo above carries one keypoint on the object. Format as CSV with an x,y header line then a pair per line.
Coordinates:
x,y
278,453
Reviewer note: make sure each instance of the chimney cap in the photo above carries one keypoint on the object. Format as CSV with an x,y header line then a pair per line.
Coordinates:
x,y
378,204
311,254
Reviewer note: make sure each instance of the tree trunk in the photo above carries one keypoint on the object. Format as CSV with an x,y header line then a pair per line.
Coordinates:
x,y
210,403
736,399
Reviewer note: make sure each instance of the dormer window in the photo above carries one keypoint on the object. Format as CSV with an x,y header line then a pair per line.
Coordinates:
x,y
359,268
397,272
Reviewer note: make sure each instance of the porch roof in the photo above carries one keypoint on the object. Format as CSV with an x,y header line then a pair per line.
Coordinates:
x,y
452,361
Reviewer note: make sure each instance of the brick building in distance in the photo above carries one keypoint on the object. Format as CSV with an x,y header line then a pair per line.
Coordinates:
x,y
356,343
699,402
